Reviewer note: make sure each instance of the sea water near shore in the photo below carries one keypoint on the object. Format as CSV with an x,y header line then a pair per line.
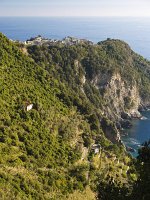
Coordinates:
x,y
138,133
135,31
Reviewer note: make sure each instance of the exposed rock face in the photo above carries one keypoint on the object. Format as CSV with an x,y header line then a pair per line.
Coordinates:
x,y
83,80
122,99
110,131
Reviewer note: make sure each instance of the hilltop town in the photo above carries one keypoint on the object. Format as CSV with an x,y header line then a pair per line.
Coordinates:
x,y
67,41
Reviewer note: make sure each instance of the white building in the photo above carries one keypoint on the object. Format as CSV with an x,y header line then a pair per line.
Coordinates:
x,y
96,148
29,107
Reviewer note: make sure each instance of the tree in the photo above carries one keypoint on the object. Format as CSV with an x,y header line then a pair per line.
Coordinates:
x,y
141,189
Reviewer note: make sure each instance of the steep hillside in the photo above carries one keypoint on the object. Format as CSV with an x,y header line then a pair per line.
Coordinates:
x,y
61,109
113,79
38,147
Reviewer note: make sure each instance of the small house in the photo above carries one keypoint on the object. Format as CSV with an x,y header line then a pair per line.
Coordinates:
x,y
29,107
96,148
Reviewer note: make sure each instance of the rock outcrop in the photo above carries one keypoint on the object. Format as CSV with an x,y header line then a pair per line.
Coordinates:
x,y
122,100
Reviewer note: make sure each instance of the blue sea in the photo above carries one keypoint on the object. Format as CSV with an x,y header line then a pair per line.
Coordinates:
x,y
139,133
134,31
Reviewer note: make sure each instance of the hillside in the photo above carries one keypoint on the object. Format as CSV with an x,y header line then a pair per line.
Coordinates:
x,y
109,76
67,145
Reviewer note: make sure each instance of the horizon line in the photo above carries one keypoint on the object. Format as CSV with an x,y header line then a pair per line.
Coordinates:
x,y
148,16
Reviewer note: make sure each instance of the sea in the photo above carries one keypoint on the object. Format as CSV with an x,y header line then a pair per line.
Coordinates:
x,y
135,31
138,133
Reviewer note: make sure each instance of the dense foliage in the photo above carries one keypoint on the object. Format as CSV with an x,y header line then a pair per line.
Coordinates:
x,y
47,152
142,186
37,147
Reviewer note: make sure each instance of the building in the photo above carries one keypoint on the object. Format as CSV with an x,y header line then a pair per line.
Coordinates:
x,y
96,148
29,107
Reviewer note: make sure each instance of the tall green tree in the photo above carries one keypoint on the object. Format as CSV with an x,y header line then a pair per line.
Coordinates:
x,y
142,187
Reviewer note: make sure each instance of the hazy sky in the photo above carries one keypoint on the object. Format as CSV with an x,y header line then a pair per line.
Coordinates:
x,y
75,7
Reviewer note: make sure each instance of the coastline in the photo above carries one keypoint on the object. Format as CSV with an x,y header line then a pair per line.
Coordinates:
x,y
134,137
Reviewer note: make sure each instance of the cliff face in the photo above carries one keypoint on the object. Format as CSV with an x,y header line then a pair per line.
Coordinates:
x,y
121,98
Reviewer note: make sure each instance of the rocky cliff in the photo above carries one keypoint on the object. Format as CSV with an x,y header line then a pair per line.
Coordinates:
x,y
121,99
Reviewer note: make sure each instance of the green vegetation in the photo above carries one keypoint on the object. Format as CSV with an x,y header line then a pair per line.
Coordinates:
x,y
47,152
141,188
37,147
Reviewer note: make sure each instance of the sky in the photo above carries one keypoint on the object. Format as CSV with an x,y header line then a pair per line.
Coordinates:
x,y
75,8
